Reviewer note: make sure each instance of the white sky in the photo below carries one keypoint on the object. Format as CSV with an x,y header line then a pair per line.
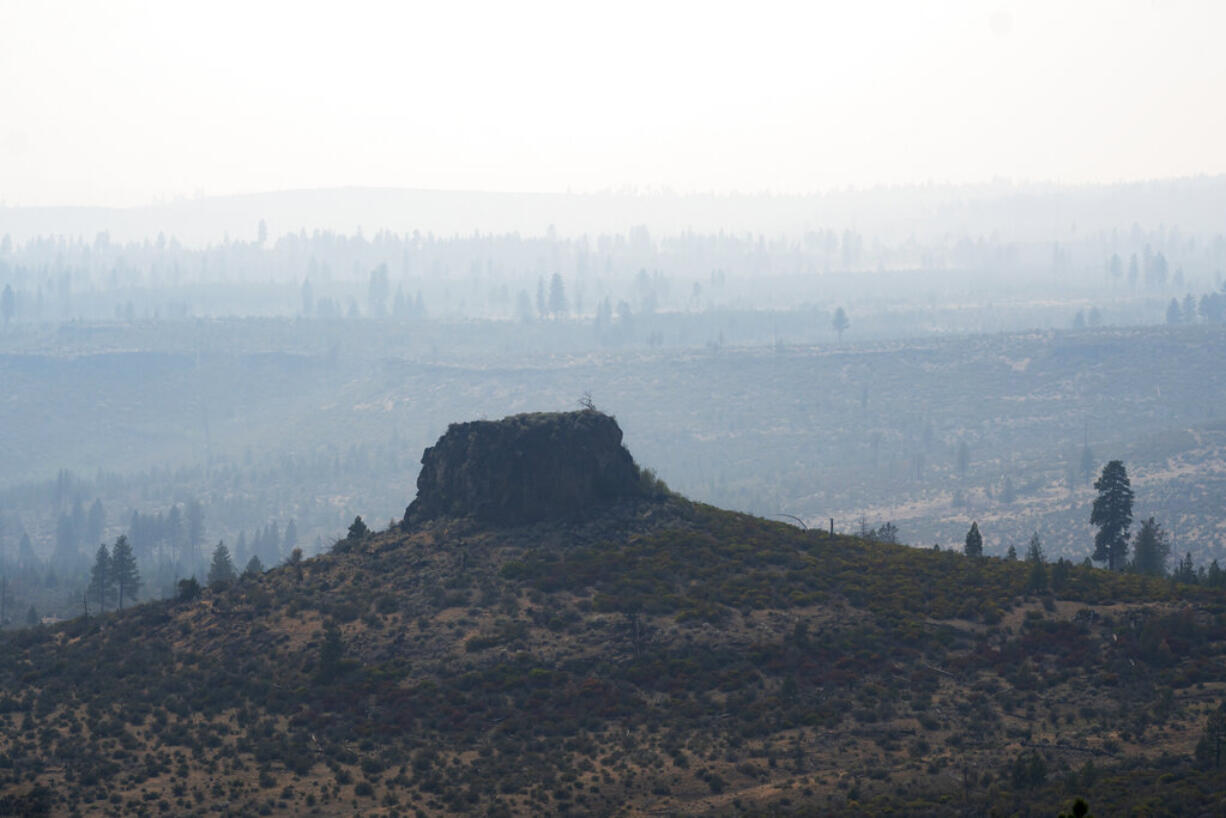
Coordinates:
x,y
120,102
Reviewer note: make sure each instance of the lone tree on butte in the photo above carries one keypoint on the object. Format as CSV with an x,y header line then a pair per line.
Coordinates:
x,y
1112,513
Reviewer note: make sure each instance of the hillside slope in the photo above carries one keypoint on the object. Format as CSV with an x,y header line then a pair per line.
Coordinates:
x,y
656,656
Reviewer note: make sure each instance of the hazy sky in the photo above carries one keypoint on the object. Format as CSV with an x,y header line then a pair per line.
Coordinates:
x,y
121,102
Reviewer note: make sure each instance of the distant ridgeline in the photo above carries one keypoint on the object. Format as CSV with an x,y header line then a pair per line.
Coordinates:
x,y
527,468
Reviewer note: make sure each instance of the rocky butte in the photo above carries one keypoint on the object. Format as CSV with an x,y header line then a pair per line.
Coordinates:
x,y
527,468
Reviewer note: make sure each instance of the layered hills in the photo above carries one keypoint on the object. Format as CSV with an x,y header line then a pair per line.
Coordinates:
x,y
550,631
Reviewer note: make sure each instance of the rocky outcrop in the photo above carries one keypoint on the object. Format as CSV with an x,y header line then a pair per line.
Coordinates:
x,y
526,468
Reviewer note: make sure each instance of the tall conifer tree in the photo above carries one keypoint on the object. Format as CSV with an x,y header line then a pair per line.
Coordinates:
x,y
102,579
124,571
974,541
1112,513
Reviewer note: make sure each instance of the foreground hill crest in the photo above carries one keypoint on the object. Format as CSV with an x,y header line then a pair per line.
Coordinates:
x,y
527,468
658,657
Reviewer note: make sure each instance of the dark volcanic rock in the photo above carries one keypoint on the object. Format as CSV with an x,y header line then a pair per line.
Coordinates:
x,y
525,468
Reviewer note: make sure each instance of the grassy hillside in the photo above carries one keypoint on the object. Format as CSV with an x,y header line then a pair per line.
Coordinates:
x,y
664,657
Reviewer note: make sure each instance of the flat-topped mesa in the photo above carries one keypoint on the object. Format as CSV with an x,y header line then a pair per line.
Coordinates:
x,y
525,468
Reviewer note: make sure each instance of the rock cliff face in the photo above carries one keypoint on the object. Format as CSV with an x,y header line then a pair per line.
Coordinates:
x,y
525,468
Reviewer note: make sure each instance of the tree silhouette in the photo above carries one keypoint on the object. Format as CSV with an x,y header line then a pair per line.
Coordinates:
x,y
221,570
840,322
1112,513
102,579
1034,551
254,568
1151,549
124,571
974,542
1185,571
1037,581
557,297
189,589
358,529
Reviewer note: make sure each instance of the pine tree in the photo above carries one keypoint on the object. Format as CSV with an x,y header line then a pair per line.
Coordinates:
x,y
124,571
887,533
1185,571
358,529
1034,551
221,570
840,322
189,589
1037,581
1151,549
102,579
557,297
974,542
1174,312
1112,513
254,568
